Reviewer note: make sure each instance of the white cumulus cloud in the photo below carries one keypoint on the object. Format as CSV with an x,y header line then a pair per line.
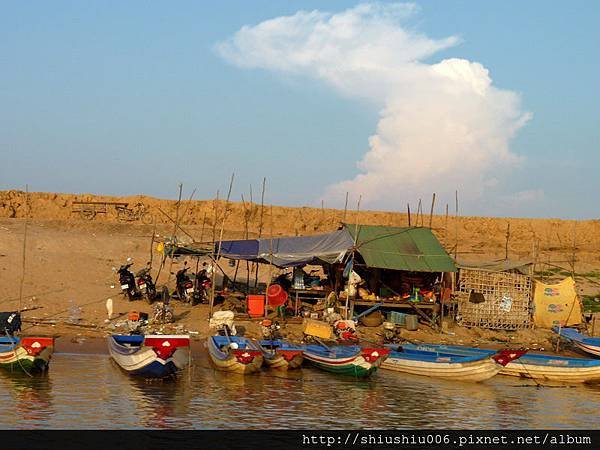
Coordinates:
x,y
442,126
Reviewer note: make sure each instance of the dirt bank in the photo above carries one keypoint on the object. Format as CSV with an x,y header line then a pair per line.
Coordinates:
x,y
69,259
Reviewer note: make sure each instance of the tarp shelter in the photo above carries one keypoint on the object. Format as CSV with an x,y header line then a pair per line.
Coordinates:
x,y
291,251
409,249
556,304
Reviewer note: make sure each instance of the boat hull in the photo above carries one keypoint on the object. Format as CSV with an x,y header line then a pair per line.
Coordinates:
x,y
27,355
538,367
475,371
353,365
144,361
281,355
587,344
226,360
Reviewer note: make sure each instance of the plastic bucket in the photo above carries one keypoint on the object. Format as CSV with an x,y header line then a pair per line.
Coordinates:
x,y
276,295
255,305
412,322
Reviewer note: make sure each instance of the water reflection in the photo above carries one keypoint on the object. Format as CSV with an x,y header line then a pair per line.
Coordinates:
x,y
88,391
30,397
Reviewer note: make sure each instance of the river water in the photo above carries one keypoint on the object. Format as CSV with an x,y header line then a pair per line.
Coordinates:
x,y
91,392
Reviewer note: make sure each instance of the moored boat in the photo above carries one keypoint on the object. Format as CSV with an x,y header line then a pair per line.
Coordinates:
x,y
536,366
282,355
235,354
150,356
436,363
588,344
351,360
28,354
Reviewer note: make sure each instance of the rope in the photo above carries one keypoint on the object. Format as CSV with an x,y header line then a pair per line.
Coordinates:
x,y
15,353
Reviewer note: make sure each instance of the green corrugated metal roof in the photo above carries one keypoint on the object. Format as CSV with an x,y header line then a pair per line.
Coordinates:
x,y
412,249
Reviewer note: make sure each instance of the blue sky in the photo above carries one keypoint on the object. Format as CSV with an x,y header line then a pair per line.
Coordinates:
x,y
130,97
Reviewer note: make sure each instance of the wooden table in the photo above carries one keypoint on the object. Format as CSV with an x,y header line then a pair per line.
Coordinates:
x,y
307,294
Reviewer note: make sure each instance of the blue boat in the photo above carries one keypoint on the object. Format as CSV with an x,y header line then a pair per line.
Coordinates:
x,y
150,356
536,366
587,344
280,354
235,354
472,367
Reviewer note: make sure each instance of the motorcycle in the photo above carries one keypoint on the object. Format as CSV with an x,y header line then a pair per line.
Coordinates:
x,y
146,285
127,280
184,286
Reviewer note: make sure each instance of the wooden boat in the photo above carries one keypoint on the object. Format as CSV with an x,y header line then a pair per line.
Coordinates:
x,y
26,354
587,344
351,360
536,366
437,363
235,354
280,354
150,356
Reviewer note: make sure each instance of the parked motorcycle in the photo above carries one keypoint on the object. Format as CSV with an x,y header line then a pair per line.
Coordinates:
x,y
184,285
127,280
146,285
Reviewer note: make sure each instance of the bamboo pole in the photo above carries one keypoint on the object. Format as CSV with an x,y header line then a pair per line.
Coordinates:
x,y
345,208
218,255
507,241
446,228
260,224
175,228
356,231
203,223
23,259
215,208
270,262
456,224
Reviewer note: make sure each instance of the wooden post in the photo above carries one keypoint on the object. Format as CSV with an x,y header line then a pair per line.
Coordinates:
x,y
218,254
431,212
408,212
574,249
152,241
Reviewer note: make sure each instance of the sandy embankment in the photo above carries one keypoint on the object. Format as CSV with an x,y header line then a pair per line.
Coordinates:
x,y
69,260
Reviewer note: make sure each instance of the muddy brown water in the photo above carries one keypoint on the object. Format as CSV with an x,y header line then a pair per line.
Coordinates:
x,y
88,391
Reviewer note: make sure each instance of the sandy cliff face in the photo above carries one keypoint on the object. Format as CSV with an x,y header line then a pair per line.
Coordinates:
x,y
549,240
